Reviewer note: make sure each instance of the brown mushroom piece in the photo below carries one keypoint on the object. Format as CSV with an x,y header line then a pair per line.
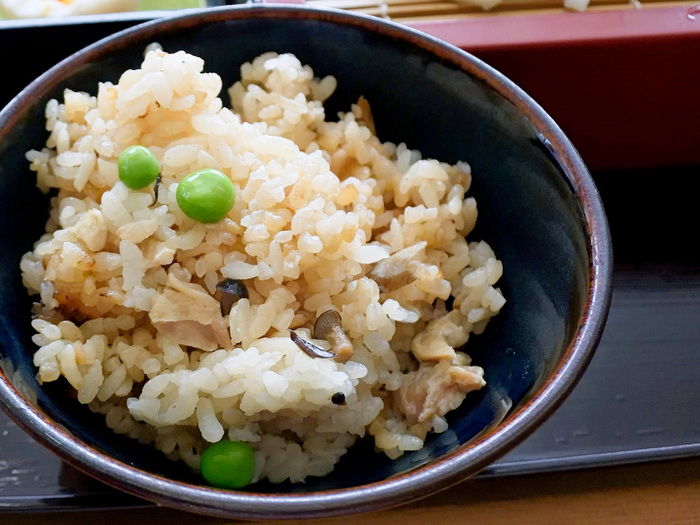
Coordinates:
x,y
231,291
308,347
328,326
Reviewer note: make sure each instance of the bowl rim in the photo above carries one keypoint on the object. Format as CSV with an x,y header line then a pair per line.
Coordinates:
x,y
421,481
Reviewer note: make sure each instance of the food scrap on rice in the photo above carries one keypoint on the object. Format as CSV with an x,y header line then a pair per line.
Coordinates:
x,y
178,331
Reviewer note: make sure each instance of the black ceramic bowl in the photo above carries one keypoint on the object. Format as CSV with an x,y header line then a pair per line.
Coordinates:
x,y
538,207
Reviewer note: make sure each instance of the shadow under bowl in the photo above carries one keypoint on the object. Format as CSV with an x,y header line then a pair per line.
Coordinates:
x,y
538,209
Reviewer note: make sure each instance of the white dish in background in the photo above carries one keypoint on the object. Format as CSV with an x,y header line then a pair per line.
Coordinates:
x,y
60,8
27,13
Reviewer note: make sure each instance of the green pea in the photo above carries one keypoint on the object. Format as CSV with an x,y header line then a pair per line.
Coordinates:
x,y
206,195
228,464
138,167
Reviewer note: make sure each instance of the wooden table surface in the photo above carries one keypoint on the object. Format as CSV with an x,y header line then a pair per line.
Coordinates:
x,y
656,493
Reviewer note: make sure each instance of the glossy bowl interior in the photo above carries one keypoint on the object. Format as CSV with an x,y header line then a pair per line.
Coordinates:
x,y
538,209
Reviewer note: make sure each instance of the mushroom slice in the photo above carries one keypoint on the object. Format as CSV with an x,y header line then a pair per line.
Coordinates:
x,y
397,270
231,291
328,326
308,347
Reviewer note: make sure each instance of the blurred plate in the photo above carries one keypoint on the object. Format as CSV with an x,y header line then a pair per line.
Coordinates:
x,y
150,9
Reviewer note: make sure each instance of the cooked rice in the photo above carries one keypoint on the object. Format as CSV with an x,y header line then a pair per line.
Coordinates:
x,y
324,214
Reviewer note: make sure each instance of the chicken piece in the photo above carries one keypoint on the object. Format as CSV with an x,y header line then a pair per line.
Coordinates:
x,y
187,313
434,390
440,337
397,270
92,230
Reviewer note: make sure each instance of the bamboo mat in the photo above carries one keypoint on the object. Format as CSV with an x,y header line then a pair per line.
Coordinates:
x,y
418,10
